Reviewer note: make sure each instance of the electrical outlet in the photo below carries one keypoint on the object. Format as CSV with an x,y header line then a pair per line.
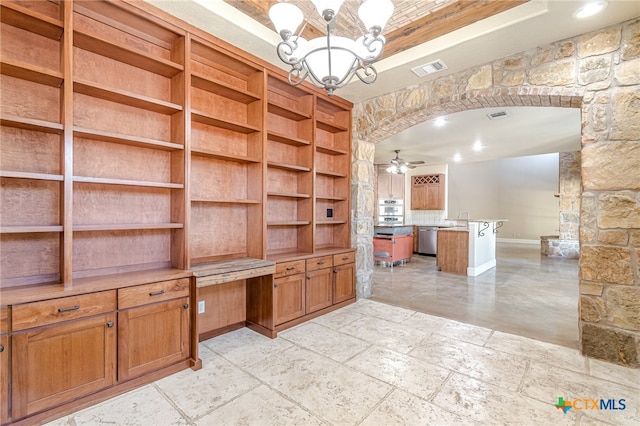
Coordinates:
x,y
201,306
329,212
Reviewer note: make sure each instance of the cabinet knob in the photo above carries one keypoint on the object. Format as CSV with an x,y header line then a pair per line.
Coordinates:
x,y
110,324
308,277
335,271
72,308
156,293
275,286
1,348
186,306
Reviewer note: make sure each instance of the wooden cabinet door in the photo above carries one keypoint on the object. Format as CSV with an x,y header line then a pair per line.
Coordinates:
x,y
344,282
151,337
288,298
418,194
384,186
319,292
55,364
4,379
397,187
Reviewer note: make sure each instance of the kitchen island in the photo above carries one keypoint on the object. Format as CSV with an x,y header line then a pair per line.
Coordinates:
x,y
468,250
392,244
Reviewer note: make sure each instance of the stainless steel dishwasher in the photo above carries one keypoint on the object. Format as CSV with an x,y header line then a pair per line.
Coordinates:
x,y
427,240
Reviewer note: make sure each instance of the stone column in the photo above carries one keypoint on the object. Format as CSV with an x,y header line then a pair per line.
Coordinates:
x,y
362,214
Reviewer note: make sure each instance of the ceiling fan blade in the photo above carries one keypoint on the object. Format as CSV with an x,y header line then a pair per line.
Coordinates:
x,y
416,162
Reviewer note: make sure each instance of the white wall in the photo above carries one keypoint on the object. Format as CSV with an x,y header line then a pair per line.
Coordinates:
x,y
519,189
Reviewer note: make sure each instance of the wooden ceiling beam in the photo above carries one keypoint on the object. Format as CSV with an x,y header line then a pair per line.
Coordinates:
x,y
259,10
443,21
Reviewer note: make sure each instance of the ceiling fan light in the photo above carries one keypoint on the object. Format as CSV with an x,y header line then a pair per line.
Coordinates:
x,y
286,17
391,169
403,168
375,14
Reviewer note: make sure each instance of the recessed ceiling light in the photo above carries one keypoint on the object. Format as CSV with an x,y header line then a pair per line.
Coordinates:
x,y
590,9
457,158
440,121
477,146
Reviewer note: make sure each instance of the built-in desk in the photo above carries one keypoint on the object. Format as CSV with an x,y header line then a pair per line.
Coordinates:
x,y
221,293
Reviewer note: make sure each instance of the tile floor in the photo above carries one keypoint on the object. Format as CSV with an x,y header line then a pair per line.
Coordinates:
x,y
527,294
375,364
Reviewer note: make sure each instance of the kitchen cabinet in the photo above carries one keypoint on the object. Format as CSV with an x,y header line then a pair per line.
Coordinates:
x,y
390,186
319,291
344,283
428,192
153,327
62,349
453,251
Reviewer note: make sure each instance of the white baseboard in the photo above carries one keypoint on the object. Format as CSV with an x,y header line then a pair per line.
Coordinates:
x,y
518,241
474,272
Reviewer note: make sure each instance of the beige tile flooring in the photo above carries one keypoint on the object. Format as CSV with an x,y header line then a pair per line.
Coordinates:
x,y
375,364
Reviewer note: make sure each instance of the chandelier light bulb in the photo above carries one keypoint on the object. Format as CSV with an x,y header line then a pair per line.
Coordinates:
x,y
286,17
375,14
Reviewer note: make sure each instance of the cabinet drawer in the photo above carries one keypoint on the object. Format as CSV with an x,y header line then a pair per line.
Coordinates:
x,y
151,293
289,268
344,258
319,263
47,312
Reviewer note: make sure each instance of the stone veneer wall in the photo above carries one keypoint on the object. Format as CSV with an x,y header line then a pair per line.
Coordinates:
x,y
598,72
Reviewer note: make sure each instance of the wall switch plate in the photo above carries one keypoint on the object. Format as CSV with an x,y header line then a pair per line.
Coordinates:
x,y
201,306
329,212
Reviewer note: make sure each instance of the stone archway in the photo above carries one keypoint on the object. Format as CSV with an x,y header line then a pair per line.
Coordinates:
x,y
597,72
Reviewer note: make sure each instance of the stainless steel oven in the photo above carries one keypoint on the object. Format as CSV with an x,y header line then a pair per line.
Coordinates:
x,y
391,212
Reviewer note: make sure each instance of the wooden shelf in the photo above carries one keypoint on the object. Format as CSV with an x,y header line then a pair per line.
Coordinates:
x,y
109,181
225,201
291,167
124,97
329,126
29,175
289,223
204,118
30,229
31,73
223,89
289,140
126,226
330,197
331,151
120,52
331,222
287,112
287,195
31,124
332,174
103,136
225,157
32,21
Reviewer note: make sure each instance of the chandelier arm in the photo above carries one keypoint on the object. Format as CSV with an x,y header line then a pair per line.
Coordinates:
x,y
369,73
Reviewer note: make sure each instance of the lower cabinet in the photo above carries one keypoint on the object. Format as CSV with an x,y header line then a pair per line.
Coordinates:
x,y
344,283
288,298
56,364
319,291
4,378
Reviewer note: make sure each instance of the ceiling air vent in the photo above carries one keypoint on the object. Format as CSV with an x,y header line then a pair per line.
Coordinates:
x,y
430,68
497,114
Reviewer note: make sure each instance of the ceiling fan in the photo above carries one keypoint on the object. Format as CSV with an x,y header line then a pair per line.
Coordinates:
x,y
399,166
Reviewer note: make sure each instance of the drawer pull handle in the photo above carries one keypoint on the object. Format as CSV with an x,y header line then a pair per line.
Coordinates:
x,y
156,293
110,324
1,348
291,268
345,258
320,263
73,308
186,306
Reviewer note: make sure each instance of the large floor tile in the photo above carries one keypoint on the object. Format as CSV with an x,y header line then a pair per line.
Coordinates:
x,y
260,407
402,371
484,364
216,383
560,356
615,373
331,391
547,383
381,310
491,405
338,319
398,337
143,406
465,332
325,341
244,347
425,323
401,408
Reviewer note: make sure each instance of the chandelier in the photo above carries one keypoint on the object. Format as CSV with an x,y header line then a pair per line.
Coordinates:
x,y
331,61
